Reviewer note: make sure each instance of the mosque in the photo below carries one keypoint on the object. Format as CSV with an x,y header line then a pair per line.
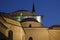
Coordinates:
x,y
26,25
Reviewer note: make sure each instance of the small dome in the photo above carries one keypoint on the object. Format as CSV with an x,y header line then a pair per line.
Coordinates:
x,y
55,27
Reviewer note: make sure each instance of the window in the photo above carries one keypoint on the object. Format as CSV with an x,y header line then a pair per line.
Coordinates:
x,y
30,26
10,35
30,38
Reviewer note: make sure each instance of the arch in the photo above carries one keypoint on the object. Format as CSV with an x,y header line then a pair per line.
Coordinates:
x,y
30,26
30,38
10,35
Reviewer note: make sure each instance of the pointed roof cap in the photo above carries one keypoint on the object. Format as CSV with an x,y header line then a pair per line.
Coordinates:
x,y
33,8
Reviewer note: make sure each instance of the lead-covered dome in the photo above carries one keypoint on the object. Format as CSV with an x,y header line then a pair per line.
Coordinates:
x,y
23,13
19,14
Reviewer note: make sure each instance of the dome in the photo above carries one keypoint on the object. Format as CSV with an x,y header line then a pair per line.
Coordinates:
x,y
23,12
55,27
19,14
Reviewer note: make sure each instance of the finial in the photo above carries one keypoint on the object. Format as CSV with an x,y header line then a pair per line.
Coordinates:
x,y
33,8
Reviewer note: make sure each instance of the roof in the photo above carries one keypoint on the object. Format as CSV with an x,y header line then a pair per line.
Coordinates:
x,y
29,19
55,26
24,13
21,10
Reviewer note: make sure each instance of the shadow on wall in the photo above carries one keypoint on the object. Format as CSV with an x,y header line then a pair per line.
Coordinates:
x,y
3,37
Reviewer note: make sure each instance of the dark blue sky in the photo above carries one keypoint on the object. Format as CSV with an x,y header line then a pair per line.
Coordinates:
x,y
50,9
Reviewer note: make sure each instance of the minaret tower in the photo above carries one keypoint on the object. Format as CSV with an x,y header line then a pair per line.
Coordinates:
x,y
38,18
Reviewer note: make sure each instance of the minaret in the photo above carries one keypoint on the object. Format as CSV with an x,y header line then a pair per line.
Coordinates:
x,y
38,18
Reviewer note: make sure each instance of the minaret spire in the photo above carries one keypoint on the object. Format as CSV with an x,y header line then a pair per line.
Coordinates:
x,y
33,8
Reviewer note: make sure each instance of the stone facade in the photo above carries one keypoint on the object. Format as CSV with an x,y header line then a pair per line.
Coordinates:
x,y
14,30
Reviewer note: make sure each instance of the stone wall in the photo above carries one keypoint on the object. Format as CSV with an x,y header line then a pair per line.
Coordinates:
x,y
42,34
13,30
37,33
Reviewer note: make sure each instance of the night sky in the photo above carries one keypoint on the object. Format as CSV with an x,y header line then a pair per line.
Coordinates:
x,y
50,9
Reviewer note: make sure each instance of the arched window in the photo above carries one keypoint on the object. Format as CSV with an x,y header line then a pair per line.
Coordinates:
x,y
30,26
30,38
10,35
